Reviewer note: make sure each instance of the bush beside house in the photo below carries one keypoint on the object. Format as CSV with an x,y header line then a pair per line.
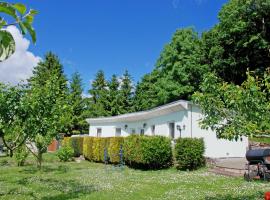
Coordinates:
x,y
149,152
189,153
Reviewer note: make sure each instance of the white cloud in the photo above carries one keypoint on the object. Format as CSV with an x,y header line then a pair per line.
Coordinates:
x,y
20,65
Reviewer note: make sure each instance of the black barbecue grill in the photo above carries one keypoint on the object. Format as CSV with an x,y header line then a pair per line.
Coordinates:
x,y
258,166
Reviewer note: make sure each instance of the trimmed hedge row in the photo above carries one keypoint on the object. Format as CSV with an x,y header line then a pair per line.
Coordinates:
x,y
151,152
148,152
76,143
93,149
189,153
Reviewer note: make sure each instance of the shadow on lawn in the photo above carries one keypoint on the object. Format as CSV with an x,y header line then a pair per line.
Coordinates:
x,y
34,169
255,195
56,189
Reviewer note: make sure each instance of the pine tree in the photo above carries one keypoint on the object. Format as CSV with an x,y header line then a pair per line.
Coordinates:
x,y
76,102
126,94
113,96
44,70
99,100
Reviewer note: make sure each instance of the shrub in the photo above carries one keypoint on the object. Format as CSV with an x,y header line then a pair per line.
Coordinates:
x,y
88,148
66,141
99,145
114,149
65,153
149,152
20,155
77,145
189,153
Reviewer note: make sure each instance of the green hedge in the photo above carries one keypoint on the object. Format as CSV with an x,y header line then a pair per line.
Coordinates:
x,y
114,149
189,153
77,145
148,152
99,144
87,148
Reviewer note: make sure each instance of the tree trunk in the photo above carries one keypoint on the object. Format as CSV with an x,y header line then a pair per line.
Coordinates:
x,y
10,153
39,159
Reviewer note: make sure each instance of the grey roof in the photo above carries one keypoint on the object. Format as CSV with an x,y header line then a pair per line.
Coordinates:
x,y
143,115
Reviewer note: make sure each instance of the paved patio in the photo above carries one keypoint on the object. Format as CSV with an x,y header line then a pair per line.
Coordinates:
x,y
233,163
230,166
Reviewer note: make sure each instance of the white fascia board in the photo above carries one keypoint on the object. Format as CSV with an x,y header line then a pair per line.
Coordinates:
x,y
143,115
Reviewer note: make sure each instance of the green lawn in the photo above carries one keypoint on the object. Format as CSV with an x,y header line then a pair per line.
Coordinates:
x,y
87,180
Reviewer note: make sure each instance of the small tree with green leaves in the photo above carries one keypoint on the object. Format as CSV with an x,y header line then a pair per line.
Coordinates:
x,y
14,111
234,111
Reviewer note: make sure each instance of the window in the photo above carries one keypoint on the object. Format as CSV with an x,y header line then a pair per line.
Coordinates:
x,y
171,130
99,131
142,132
118,132
153,129
133,131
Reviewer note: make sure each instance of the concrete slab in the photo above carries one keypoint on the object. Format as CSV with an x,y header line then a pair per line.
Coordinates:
x,y
232,163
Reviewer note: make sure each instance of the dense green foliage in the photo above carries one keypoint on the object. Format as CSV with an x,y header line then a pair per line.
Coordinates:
x,y
21,155
100,145
147,152
178,73
110,97
14,112
235,111
88,148
240,40
23,19
77,144
50,113
189,153
126,94
65,153
77,125
114,148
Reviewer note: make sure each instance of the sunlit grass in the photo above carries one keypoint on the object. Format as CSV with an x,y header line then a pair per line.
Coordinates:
x,y
87,180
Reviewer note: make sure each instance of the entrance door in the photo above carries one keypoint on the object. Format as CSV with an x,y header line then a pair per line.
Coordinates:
x,y
172,130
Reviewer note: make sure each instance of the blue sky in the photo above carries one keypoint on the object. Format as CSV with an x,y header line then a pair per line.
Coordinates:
x,y
89,35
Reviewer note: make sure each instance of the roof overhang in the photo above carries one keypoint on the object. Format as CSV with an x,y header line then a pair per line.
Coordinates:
x,y
143,115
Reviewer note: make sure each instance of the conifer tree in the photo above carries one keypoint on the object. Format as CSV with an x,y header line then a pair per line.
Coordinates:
x,y
78,124
99,96
113,96
126,94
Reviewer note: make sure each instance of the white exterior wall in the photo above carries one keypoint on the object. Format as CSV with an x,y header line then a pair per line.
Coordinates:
x,y
215,148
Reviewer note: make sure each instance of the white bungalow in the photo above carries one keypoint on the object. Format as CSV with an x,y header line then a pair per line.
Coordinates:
x,y
174,120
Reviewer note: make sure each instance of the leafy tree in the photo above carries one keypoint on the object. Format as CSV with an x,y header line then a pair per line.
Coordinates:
x,y
126,94
76,102
99,100
23,20
146,93
178,73
113,97
50,112
180,67
234,111
14,111
240,40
